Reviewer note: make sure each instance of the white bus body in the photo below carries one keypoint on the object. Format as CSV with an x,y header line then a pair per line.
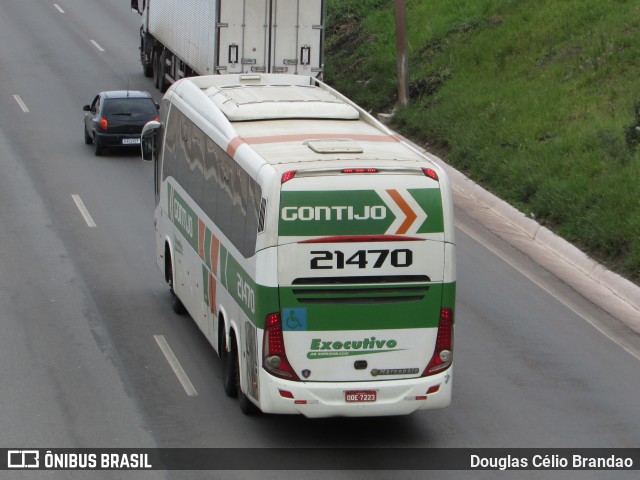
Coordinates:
x,y
311,246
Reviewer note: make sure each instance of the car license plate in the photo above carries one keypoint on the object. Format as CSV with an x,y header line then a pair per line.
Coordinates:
x,y
130,141
360,396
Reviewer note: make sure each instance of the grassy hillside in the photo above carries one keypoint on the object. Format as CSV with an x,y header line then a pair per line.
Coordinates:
x,y
536,100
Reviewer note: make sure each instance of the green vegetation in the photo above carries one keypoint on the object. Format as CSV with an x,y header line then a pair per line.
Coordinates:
x,y
536,100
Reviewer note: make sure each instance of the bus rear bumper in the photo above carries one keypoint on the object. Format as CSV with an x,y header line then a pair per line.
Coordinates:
x,y
393,397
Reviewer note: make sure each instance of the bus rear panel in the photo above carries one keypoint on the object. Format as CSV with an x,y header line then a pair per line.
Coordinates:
x,y
364,295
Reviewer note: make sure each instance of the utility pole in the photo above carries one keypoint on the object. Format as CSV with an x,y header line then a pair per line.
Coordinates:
x,y
401,52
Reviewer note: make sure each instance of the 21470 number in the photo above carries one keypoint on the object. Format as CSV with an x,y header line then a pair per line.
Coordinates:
x,y
327,260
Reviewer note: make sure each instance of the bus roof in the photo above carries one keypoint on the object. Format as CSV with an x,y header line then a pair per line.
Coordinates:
x,y
291,119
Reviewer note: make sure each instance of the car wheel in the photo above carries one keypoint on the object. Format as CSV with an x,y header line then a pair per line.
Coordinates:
x,y
230,369
87,138
98,146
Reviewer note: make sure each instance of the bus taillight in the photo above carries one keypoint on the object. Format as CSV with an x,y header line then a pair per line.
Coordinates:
x,y
431,173
286,176
274,356
443,354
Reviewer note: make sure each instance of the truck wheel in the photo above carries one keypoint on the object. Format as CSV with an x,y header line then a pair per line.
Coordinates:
x,y
155,63
162,82
147,69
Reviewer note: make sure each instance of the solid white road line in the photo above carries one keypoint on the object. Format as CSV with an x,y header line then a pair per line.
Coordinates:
x,y
23,106
58,7
97,45
575,308
175,366
83,210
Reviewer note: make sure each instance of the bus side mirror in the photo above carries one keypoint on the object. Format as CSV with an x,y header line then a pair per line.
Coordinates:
x,y
148,140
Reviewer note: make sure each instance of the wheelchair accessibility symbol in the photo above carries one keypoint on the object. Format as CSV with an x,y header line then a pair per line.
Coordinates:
x,y
294,319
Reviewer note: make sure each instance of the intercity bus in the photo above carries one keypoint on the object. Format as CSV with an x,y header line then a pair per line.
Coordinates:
x,y
312,246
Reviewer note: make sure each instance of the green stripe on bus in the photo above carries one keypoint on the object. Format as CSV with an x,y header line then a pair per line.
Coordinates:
x,y
449,296
352,212
184,218
256,301
361,311
430,200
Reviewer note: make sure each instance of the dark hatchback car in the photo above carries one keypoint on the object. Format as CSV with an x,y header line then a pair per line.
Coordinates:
x,y
115,119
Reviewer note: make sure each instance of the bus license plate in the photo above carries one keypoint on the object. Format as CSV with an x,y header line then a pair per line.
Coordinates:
x,y
130,141
360,396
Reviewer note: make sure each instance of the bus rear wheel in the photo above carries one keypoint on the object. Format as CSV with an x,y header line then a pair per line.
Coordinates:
x,y
230,369
246,406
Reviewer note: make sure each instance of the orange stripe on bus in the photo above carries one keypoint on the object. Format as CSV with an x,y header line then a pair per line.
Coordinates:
x,y
201,232
406,209
236,142
233,146
213,253
318,136
212,295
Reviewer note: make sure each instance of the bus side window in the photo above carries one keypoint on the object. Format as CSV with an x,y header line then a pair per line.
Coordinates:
x,y
210,187
251,226
196,163
181,171
171,136
224,205
239,187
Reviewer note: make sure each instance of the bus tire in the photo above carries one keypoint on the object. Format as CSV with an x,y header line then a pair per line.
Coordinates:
x,y
176,303
246,406
230,369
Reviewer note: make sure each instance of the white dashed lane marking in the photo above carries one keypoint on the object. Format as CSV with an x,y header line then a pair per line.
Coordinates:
x,y
175,366
83,210
23,105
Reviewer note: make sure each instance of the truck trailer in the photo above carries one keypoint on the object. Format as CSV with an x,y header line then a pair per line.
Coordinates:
x,y
183,38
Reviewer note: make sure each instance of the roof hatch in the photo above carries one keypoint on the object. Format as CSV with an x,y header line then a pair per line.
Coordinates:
x,y
273,102
334,145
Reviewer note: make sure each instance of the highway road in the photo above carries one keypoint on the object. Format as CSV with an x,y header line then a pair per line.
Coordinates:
x,y
83,306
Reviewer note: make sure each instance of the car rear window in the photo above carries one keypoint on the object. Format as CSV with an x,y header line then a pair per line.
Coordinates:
x,y
129,106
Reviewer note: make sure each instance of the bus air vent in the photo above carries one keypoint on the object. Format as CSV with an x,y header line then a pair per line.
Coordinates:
x,y
355,291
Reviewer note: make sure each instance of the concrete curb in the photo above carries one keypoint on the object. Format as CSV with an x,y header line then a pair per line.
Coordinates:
x,y
622,288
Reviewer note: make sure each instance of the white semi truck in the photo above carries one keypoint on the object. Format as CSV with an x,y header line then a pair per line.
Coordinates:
x,y
183,38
